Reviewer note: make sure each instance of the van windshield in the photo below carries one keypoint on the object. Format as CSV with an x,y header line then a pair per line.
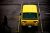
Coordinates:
x,y
29,16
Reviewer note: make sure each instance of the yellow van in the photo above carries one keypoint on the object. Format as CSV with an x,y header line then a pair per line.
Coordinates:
x,y
29,15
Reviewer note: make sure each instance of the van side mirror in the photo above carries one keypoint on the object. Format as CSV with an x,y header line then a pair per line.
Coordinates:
x,y
20,13
39,14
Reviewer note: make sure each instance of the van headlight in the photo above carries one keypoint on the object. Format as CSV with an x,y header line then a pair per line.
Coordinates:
x,y
23,23
35,21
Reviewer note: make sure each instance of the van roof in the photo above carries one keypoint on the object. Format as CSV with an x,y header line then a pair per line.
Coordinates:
x,y
29,8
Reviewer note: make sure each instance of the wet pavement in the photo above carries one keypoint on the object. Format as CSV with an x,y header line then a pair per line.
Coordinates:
x,y
29,30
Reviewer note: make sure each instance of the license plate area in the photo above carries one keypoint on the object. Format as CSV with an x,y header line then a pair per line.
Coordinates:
x,y
29,26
